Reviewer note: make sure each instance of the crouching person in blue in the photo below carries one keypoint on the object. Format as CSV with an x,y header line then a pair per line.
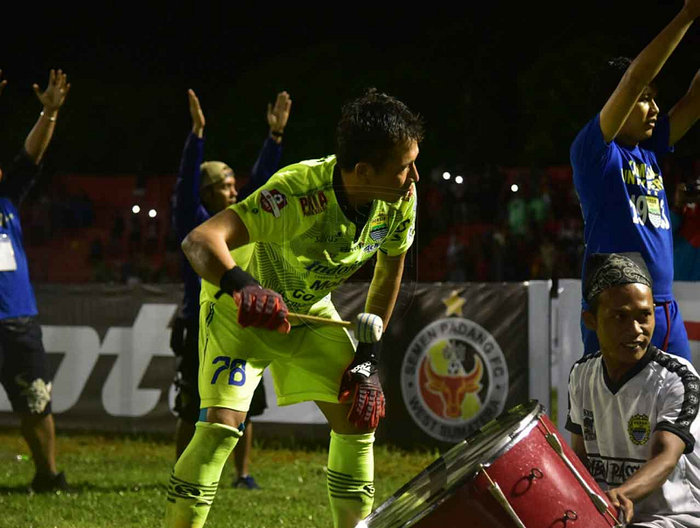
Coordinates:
x,y
633,408
23,366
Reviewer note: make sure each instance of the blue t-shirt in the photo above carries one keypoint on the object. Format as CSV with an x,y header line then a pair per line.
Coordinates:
x,y
623,199
16,292
188,211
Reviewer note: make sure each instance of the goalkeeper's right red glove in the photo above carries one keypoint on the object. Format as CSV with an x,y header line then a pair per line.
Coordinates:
x,y
257,306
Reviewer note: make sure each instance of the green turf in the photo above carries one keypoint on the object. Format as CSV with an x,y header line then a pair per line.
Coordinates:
x,y
121,481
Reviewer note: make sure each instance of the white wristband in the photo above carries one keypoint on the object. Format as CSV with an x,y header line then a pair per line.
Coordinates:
x,y
52,118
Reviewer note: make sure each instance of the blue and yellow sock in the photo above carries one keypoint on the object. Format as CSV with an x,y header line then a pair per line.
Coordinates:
x,y
196,475
350,478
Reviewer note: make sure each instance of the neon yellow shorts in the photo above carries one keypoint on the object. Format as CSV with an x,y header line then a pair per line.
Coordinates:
x,y
306,365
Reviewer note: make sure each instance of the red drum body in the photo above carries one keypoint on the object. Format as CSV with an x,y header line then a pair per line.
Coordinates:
x,y
516,471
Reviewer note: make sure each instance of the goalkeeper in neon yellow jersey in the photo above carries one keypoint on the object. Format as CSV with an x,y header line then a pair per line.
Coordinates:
x,y
287,247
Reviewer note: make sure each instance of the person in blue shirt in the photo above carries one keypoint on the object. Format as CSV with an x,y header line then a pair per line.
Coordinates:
x,y
617,174
203,189
23,362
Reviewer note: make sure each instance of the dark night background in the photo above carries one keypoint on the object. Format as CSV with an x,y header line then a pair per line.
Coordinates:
x,y
501,85
505,84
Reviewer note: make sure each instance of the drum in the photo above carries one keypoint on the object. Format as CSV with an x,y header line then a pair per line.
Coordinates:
x,y
516,471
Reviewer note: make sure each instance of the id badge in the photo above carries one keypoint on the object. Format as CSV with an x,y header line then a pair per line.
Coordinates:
x,y
654,211
7,254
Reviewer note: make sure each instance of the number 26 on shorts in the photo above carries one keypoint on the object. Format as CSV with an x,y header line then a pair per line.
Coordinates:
x,y
236,366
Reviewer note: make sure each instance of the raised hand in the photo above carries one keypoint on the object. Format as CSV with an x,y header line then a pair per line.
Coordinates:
x,y
55,94
3,83
361,383
196,113
278,115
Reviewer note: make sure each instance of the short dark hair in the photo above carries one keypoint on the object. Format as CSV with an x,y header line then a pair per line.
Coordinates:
x,y
608,77
371,126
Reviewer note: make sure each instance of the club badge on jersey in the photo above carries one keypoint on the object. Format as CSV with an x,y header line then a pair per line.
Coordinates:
x,y
272,202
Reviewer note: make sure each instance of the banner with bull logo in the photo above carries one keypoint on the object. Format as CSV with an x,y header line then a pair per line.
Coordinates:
x,y
454,357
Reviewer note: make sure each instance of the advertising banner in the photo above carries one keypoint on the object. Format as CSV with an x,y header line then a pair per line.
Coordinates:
x,y
454,357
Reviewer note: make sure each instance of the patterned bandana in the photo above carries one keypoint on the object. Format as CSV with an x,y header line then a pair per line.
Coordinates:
x,y
606,270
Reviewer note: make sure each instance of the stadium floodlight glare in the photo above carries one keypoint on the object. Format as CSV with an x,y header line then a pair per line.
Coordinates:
x,y
135,209
152,213
446,176
459,179
514,187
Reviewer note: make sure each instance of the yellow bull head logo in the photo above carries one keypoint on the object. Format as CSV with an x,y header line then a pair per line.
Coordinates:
x,y
453,389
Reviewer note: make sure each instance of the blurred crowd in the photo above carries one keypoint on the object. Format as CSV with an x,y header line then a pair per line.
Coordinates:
x,y
498,224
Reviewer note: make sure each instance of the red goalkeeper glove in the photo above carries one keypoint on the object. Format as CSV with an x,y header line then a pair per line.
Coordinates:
x,y
257,306
361,379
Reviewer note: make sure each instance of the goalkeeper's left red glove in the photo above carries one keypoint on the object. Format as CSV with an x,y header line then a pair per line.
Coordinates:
x,y
361,378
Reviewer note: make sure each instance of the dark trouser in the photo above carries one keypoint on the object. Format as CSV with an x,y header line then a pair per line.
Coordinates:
x,y
23,366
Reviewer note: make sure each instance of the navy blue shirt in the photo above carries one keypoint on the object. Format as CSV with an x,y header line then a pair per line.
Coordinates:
x,y
16,292
188,210
623,199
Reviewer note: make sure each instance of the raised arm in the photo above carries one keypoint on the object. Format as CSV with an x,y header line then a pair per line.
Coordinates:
x,y
198,121
686,112
644,69
52,99
186,197
278,115
271,152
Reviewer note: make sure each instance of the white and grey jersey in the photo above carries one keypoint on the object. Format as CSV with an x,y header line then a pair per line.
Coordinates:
x,y
617,420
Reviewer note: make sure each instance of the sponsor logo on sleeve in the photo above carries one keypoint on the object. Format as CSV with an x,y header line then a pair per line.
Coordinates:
x,y
313,204
273,201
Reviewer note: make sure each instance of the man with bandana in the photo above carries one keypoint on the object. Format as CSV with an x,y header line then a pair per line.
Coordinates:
x,y
203,189
633,409
617,173
23,362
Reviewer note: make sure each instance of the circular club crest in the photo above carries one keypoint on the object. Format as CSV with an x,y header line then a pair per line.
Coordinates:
x,y
454,379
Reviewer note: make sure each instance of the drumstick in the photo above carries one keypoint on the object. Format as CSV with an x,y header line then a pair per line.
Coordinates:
x,y
368,327
311,319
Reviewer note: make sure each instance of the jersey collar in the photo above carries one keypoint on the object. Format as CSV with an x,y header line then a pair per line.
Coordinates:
x,y
359,214
636,369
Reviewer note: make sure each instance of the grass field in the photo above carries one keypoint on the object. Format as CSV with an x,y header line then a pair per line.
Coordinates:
x,y
120,481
